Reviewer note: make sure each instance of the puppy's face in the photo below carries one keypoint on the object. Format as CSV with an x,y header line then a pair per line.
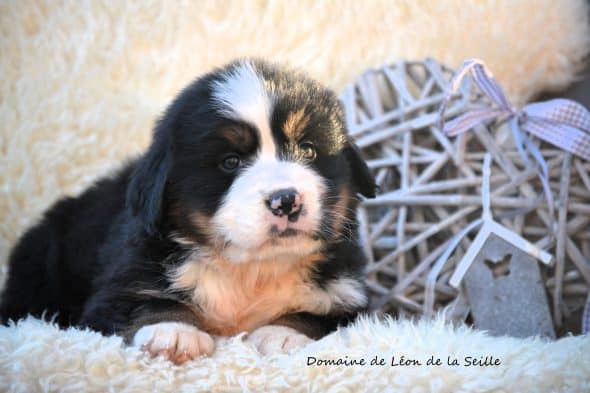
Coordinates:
x,y
258,165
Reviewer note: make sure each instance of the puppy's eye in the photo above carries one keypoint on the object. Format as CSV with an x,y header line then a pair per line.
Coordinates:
x,y
231,162
307,150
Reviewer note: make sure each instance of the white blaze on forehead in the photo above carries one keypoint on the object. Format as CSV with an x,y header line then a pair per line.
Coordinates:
x,y
242,95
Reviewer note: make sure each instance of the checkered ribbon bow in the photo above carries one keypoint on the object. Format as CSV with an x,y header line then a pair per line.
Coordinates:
x,y
561,122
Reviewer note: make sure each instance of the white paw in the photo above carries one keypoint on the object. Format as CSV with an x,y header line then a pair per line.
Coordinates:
x,y
177,341
277,339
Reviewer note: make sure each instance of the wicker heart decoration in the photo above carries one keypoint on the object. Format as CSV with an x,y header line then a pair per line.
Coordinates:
x,y
430,189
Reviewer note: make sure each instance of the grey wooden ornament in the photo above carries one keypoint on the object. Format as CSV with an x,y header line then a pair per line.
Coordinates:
x,y
506,292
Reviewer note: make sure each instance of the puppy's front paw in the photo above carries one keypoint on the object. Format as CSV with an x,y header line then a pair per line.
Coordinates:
x,y
277,339
178,341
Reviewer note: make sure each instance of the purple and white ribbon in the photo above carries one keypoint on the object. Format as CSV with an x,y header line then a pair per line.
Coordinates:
x,y
561,122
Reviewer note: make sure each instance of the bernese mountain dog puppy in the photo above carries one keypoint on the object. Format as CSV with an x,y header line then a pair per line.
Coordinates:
x,y
240,217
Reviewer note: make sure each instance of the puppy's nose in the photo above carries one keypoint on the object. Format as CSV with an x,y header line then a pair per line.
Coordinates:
x,y
286,202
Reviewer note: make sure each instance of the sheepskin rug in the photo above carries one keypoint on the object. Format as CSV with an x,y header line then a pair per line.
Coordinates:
x,y
83,81
36,356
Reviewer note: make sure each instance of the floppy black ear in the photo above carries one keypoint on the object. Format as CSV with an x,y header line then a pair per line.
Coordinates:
x,y
146,186
361,176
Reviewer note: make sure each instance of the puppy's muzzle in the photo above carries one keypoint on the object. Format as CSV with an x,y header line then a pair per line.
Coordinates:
x,y
285,202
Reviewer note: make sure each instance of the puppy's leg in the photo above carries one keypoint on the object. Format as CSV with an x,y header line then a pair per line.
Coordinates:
x,y
157,326
294,331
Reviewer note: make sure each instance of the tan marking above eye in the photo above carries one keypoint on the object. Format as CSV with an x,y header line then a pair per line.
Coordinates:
x,y
237,135
296,124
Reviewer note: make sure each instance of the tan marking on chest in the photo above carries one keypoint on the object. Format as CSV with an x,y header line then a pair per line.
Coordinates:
x,y
242,297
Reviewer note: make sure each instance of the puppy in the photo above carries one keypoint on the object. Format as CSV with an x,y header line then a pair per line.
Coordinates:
x,y
238,218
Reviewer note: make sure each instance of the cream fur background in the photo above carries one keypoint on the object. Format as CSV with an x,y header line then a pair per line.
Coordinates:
x,y
82,82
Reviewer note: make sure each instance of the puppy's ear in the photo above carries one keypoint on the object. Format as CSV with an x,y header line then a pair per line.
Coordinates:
x,y
361,176
145,191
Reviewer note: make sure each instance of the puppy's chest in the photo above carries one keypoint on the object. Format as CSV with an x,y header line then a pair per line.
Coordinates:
x,y
233,298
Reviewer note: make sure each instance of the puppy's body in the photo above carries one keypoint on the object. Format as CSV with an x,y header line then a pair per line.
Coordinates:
x,y
240,216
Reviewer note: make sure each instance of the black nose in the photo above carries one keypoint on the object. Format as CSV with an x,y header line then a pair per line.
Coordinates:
x,y
286,202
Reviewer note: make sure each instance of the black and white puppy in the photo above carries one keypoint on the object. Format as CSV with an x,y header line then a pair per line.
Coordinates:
x,y
239,218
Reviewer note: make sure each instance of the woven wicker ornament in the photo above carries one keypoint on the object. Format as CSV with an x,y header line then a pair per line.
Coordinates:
x,y
430,190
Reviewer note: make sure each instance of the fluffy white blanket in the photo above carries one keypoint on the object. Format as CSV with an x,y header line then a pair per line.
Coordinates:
x,y
36,356
82,83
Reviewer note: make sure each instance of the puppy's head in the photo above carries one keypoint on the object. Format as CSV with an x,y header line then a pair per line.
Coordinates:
x,y
253,161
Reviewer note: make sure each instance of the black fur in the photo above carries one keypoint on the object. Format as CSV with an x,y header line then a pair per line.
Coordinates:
x,y
100,259
361,175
